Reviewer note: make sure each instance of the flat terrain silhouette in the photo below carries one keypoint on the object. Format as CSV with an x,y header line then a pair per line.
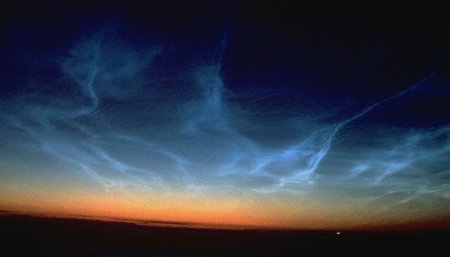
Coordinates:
x,y
44,236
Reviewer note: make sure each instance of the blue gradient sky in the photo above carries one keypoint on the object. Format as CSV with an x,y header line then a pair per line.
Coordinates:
x,y
290,111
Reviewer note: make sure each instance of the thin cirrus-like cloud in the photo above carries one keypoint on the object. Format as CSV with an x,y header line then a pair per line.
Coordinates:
x,y
123,121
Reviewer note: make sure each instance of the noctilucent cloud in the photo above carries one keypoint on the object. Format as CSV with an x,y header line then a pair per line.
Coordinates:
x,y
304,119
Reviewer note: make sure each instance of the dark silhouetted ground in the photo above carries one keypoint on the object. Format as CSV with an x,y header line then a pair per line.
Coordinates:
x,y
36,236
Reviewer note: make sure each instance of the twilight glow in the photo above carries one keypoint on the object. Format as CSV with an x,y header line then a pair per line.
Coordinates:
x,y
224,115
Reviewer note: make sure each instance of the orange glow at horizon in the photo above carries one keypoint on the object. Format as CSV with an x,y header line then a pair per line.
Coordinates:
x,y
188,207
173,208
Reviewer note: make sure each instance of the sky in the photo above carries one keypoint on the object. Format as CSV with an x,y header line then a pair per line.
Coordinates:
x,y
270,115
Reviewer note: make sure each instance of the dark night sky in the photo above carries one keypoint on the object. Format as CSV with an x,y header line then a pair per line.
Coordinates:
x,y
334,108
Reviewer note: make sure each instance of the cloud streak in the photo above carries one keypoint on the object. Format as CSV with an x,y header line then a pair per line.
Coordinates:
x,y
125,124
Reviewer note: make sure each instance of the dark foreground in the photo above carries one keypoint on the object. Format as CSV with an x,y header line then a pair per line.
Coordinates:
x,y
33,236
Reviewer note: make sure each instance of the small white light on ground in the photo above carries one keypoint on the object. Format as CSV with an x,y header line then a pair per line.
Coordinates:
x,y
338,233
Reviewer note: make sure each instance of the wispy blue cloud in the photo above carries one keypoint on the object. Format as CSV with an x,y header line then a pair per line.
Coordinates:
x,y
125,123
